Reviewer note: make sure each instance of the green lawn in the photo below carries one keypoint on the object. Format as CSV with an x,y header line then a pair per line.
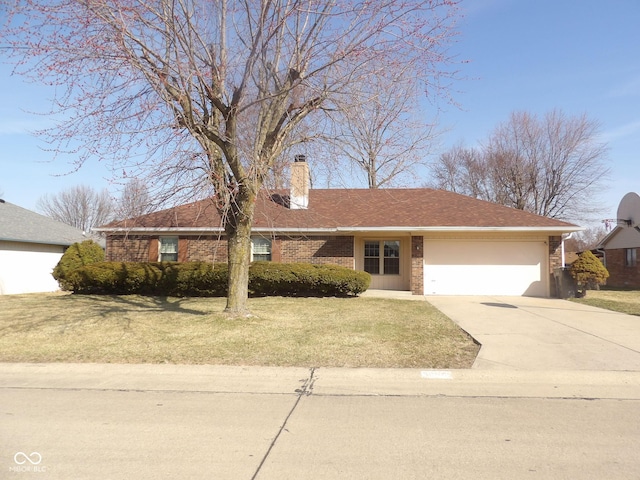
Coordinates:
x,y
617,300
311,332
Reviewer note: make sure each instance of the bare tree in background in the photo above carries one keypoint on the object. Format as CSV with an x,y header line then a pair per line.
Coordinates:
x,y
81,207
135,200
201,94
376,129
587,239
553,166
461,170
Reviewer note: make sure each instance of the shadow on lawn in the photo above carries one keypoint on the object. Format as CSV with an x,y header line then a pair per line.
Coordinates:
x,y
108,305
142,304
74,310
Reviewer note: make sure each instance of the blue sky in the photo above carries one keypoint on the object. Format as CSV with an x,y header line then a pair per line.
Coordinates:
x,y
534,55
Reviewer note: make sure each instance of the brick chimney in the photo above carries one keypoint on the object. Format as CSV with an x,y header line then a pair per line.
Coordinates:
x,y
299,194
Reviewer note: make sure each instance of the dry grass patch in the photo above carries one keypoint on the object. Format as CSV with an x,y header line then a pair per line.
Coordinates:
x,y
624,301
310,332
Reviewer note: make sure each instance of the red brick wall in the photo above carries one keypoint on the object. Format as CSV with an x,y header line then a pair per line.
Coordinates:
x,y
128,248
211,249
417,265
555,253
555,261
619,274
320,250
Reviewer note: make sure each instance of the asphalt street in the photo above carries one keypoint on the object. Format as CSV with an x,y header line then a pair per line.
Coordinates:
x,y
168,421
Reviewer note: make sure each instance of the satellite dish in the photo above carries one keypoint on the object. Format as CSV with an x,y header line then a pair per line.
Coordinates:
x,y
629,211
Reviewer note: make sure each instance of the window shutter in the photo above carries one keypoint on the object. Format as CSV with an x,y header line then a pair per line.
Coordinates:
x,y
182,249
153,249
276,252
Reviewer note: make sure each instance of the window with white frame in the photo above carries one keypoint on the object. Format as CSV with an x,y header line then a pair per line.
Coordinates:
x,y
382,257
168,251
260,249
630,257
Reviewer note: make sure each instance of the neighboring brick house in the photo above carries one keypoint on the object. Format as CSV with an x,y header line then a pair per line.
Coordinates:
x,y
421,240
622,245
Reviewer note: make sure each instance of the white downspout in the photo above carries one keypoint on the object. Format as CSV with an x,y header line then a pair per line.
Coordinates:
x,y
568,236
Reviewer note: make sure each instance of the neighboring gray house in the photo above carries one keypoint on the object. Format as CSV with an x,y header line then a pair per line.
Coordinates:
x,y
30,247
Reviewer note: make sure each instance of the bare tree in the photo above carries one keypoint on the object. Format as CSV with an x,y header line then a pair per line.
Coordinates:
x,y
587,239
135,200
553,166
461,170
207,94
377,130
81,207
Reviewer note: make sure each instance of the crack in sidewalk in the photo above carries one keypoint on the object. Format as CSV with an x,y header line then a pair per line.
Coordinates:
x,y
305,390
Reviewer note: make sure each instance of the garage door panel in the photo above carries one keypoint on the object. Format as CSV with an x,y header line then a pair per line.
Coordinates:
x,y
485,268
23,271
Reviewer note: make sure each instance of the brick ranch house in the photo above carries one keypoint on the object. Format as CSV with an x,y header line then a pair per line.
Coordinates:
x,y
621,246
429,242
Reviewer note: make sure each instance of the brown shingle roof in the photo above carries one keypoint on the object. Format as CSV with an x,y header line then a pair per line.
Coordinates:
x,y
356,209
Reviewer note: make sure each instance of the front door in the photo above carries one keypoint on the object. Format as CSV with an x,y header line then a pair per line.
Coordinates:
x,y
384,260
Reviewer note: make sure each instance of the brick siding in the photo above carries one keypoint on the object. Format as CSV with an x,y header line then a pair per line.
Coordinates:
x,y
417,265
211,249
555,261
619,274
128,248
336,250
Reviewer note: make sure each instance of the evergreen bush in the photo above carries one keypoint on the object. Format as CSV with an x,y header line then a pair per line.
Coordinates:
x,y
305,279
117,278
76,256
199,279
194,279
588,272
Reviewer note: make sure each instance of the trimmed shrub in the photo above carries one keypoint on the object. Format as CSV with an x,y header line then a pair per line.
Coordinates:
x,y
154,278
305,279
198,279
588,272
118,278
194,279
76,256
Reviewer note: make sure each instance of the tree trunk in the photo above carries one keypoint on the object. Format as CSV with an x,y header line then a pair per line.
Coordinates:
x,y
238,231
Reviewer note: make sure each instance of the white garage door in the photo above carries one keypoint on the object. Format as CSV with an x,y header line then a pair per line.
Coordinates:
x,y
459,267
27,267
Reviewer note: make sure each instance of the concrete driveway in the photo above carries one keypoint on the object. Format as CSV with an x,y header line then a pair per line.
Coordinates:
x,y
526,333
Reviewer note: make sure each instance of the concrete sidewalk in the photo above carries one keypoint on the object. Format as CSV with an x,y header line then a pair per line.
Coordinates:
x,y
203,422
526,333
286,381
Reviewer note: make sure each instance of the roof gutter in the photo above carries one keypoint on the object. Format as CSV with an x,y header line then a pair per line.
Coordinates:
x,y
209,230
57,243
462,229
